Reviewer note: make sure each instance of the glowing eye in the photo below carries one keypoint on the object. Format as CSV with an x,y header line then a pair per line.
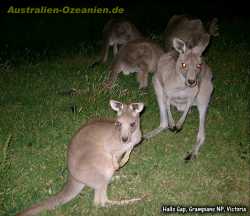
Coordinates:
x,y
132,124
118,124
198,66
183,65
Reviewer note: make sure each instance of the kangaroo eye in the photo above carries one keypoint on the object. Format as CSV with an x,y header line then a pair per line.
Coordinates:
x,y
183,65
198,66
118,124
132,124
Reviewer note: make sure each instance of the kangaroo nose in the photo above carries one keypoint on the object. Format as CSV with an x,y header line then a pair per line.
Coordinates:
x,y
191,82
124,139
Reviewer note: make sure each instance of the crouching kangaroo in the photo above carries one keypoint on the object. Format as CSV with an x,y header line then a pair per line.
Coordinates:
x,y
188,29
115,33
94,154
183,79
139,56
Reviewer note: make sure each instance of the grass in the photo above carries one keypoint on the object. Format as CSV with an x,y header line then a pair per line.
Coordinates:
x,y
37,123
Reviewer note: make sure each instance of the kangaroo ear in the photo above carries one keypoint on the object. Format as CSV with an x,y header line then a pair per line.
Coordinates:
x,y
116,105
179,45
199,49
136,107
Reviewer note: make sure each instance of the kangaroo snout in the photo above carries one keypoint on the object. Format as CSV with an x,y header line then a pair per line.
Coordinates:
x,y
124,139
191,82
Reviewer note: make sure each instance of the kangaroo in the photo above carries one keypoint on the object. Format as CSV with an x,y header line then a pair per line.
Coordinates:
x,y
188,29
139,56
115,33
182,80
93,157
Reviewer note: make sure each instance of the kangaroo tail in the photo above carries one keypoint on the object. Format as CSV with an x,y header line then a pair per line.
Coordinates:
x,y
213,28
125,202
71,189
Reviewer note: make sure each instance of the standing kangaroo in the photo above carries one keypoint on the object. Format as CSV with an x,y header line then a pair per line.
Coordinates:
x,y
115,33
139,56
188,29
94,154
183,79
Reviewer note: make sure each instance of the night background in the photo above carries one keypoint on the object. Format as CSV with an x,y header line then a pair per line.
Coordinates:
x,y
48,33
48,89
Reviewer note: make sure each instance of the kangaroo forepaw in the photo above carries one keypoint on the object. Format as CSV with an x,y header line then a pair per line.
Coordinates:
x,y
190,157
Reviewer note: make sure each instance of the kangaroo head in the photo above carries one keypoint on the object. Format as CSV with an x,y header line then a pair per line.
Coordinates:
x,y
128,119
189,62
123,32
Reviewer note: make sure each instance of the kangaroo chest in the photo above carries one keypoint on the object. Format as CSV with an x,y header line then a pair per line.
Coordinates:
x,y
181,96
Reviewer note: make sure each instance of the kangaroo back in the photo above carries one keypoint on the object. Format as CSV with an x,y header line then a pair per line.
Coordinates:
x,y
188,29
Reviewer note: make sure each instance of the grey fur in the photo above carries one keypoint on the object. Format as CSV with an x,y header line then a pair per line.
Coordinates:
x,y
188,29
115,33
93,157
182,80
139,56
